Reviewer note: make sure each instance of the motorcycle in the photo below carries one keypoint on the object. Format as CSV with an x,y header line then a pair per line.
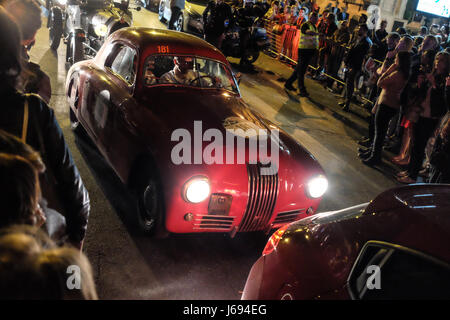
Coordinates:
x,y
256,41
84,25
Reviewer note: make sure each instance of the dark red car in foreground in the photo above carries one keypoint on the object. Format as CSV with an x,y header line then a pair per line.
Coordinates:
x,y
136,111
395,247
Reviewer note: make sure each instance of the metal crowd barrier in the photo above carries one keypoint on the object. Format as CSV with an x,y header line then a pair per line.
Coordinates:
x,y
284,47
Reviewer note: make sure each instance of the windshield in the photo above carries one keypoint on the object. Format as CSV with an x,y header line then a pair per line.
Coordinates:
x,y
187,71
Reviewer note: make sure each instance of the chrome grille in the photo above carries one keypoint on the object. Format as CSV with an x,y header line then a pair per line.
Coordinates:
x,y
212,222
262,196
288,216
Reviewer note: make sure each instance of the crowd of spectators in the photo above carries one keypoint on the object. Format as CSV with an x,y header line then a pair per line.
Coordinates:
x,y
40,241
45,206
402,77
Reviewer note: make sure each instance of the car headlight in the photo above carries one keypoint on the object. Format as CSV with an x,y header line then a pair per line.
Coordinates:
x,y
317,186
100,29
196,190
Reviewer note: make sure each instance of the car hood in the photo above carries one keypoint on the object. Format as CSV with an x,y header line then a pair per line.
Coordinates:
x,y
179,107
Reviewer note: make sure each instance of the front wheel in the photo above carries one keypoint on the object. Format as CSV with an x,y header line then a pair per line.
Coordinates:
x,y
249,58
150,209
55,28
75,52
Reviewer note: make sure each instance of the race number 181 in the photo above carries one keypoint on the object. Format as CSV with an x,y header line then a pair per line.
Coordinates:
x,y
163,49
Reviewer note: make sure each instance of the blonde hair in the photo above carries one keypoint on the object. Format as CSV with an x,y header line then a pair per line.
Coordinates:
x,y
32,267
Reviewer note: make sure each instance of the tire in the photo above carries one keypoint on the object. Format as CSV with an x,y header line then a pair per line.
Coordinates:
x,y
249,58
75,50
55,28
179,22
161,9
150,208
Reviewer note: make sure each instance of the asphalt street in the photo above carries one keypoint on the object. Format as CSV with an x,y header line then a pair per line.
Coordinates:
x,y
206,266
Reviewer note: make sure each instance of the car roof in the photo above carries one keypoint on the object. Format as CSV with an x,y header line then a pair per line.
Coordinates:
x,y
160,41
415,216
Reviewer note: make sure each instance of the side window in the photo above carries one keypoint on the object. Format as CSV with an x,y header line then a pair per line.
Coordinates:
x,y
125,64
403,274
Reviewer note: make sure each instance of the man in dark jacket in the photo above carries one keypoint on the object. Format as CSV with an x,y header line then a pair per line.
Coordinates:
x,y
216,19
353,62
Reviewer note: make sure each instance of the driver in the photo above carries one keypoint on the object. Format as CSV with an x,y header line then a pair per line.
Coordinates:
x,y
182,72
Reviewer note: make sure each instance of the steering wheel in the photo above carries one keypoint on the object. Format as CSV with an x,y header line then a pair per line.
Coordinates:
x,y
213,80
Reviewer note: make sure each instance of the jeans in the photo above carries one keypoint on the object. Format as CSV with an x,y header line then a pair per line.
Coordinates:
x,y
352,76
382,117
304,57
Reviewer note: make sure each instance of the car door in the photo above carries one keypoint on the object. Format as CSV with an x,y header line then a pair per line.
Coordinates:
x,y
96,102
114,103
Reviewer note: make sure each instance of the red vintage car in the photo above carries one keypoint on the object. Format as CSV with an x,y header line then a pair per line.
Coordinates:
x,y
395,247
148,87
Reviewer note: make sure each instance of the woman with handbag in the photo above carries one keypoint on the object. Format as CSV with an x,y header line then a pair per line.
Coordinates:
x,y
29,117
